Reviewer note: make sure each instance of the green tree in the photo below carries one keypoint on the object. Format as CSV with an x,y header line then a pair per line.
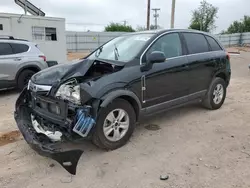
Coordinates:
x,y
204,17
113,27
239,26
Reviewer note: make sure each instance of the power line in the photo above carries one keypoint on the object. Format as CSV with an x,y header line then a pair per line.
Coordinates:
x,y
156,16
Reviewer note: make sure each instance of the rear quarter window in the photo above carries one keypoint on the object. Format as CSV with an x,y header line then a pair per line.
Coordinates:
x,y
5,49
196,43
213,44
19,48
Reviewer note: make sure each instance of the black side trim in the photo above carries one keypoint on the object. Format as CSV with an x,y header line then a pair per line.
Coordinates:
x,y
170,104
5,84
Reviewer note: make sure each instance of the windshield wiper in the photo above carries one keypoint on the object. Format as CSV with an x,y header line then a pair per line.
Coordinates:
x,y
116,53
98,52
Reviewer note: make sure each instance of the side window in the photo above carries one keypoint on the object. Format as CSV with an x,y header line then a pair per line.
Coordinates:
x,y
213,44
196,43
19,48
1,26
170,44
5,49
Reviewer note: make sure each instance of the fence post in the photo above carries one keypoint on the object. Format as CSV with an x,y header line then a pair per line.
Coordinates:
x,y
240,40
76,42
230,40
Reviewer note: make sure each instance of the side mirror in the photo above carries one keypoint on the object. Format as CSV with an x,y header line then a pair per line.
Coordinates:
x,y
156,57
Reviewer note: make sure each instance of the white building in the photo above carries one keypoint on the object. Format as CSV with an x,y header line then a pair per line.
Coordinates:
x,y
47,32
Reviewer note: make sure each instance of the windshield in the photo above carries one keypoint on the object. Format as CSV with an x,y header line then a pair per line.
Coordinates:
x,y
123,48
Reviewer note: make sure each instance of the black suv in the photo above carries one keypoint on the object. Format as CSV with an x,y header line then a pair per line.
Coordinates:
x,y
103,95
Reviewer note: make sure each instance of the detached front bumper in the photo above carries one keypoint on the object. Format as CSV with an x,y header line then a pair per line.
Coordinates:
x,y
59,151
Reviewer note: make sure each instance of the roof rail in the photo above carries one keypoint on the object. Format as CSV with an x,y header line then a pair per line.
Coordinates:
x,y
6,37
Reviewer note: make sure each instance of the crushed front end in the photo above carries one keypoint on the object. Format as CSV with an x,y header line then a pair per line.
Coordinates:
x,y
59,107
51,126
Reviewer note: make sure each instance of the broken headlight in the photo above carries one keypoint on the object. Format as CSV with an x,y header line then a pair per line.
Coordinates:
x,y
69,91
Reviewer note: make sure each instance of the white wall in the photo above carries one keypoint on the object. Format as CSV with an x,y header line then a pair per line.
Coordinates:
x,y
21,27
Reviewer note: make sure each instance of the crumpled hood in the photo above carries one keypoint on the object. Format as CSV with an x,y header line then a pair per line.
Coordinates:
x,y
58,73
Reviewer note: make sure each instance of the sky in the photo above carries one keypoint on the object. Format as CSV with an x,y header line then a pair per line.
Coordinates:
x,y
83,15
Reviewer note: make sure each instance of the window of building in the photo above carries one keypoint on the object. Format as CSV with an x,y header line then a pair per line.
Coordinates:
x,y
38,33
44,33
213,44
19,48
1,26
196,43
5,49
50,33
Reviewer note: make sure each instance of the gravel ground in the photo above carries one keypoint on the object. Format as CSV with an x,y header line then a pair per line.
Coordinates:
x,y
197,148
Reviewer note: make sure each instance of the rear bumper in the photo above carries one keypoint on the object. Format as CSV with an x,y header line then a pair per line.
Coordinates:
x,y
51,63
59,151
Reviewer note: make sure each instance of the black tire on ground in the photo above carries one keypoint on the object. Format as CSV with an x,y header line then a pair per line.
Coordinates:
x,y
208,101
99,138
23,78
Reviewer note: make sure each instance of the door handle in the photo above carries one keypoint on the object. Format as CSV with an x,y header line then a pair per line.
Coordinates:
x,y
18,59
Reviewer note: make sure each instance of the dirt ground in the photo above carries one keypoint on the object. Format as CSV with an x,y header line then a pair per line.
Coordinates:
x,y
196,147
76,55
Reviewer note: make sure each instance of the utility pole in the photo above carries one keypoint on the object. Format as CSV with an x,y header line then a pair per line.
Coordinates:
x,y
148,14
156,15
172,13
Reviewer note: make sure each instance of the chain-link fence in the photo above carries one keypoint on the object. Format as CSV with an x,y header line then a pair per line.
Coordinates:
x,y
88,41
237,39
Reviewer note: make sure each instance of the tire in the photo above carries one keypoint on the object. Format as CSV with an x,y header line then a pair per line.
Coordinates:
x,y
23,78
210,98
99,138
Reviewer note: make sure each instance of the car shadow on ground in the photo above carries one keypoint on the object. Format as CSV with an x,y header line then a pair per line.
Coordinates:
x,y
9,92
157,119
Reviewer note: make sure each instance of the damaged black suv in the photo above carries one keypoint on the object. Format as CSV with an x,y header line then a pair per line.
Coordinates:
x,y
103,95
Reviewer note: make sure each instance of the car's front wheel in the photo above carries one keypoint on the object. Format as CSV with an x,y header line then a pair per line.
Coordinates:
x,y
115,125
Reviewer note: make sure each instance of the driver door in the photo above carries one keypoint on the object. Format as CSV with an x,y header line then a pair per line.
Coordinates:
x,y
168,80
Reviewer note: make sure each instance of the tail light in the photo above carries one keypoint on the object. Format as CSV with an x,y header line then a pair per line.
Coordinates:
x,y
44,57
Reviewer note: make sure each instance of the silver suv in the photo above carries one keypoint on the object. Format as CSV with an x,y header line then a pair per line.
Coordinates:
x,y
19,60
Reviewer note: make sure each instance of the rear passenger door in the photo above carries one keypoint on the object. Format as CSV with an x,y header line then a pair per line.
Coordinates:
x,y
6,59
200,61
11,56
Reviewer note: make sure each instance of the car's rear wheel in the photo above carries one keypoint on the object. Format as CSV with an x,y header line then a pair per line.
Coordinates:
x,y
24,78
216,94
115,125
